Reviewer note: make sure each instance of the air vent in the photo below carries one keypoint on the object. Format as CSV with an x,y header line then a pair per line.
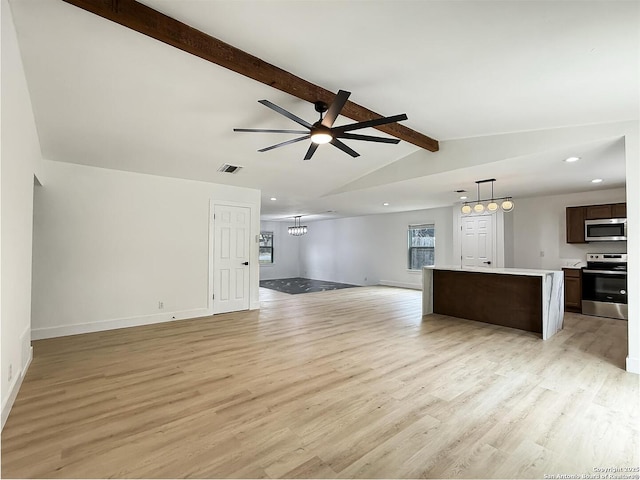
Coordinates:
x,y
226,168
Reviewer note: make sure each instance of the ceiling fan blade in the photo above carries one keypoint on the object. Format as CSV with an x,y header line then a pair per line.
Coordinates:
x,y
337,143
288,142
312,149
370,123
367,138
335,108
282,111
261,130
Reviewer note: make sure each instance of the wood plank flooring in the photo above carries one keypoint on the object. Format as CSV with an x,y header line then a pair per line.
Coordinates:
x,y
340,384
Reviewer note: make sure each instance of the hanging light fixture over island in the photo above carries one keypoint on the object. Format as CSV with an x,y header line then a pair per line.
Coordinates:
x,y
479,207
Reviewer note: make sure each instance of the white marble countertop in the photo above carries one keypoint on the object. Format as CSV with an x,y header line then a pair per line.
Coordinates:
x,y
504,271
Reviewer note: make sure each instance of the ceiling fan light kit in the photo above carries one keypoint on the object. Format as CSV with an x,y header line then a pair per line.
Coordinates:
x,y
321,138
323,130
507,204
320,134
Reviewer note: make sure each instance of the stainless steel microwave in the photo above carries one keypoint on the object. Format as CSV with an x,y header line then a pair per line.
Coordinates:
x,y
605,230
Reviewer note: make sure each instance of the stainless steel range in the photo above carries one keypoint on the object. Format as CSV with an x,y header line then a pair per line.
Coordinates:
x,y
604,285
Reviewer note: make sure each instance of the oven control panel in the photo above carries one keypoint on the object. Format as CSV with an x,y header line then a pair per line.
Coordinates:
x,y
607,257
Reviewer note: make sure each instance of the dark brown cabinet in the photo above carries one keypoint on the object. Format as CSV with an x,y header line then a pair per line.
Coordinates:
x,y
575,224
572,290
596,212
619,210
577,215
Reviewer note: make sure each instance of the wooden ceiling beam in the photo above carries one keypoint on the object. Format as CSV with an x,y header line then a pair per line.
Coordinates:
x,y
154,24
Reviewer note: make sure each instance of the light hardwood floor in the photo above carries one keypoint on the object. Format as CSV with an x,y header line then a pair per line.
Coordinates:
x,y
337,384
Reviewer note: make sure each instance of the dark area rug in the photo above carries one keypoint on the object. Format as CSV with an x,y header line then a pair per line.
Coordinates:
x,y
302,285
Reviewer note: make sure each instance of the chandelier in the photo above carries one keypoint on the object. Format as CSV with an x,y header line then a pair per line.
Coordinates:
x,y
297,229
479,207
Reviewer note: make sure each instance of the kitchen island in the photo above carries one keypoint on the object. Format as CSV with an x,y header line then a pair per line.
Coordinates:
x,y
531,300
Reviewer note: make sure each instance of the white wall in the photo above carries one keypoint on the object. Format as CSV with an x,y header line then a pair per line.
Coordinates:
x,y
509,253
632,152
20,154
371,249
539,225
109,245
286,252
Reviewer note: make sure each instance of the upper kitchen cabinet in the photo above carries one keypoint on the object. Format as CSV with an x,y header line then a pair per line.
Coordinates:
x,y
619,210
575,224
596,212
577,215
610,210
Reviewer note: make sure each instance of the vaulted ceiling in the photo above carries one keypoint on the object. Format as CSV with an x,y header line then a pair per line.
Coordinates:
x,y
473,75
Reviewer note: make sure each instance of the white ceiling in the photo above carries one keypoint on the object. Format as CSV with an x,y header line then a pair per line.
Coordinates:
x,y
106,96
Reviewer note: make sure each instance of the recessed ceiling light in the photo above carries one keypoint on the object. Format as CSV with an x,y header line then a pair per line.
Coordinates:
x,y
571,159
273,199
596,180
463,197
386,204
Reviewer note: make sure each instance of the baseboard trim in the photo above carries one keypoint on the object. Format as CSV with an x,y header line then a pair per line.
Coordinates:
x,y
391,283
15,388
102,325
633,365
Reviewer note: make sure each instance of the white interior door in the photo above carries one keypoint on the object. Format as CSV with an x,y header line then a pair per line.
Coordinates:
x,y
477,241
231,268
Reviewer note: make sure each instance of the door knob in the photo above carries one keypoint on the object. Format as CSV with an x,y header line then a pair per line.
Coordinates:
x,y
245,263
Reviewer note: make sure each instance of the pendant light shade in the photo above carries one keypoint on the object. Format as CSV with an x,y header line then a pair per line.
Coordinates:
x,y
507,205
493,204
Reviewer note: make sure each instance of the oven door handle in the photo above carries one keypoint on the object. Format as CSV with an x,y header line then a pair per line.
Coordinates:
x,y
604,272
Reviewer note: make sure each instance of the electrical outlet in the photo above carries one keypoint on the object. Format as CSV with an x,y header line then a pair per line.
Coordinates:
x,y
10,371
160,305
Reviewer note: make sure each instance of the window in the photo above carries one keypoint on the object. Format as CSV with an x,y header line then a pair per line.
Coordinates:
x,y
266,248
422,241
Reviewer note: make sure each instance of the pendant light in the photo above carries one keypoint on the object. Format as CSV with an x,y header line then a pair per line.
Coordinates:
x,y
478,207
493,205
507,204
297,230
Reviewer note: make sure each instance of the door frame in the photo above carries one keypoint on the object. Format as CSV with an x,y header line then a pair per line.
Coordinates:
x,y
254,270
498,227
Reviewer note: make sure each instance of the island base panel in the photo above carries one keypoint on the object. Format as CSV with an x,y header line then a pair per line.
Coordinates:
x,y
507,300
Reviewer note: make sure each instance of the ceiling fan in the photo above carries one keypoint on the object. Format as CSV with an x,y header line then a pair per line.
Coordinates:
x,y
323,130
